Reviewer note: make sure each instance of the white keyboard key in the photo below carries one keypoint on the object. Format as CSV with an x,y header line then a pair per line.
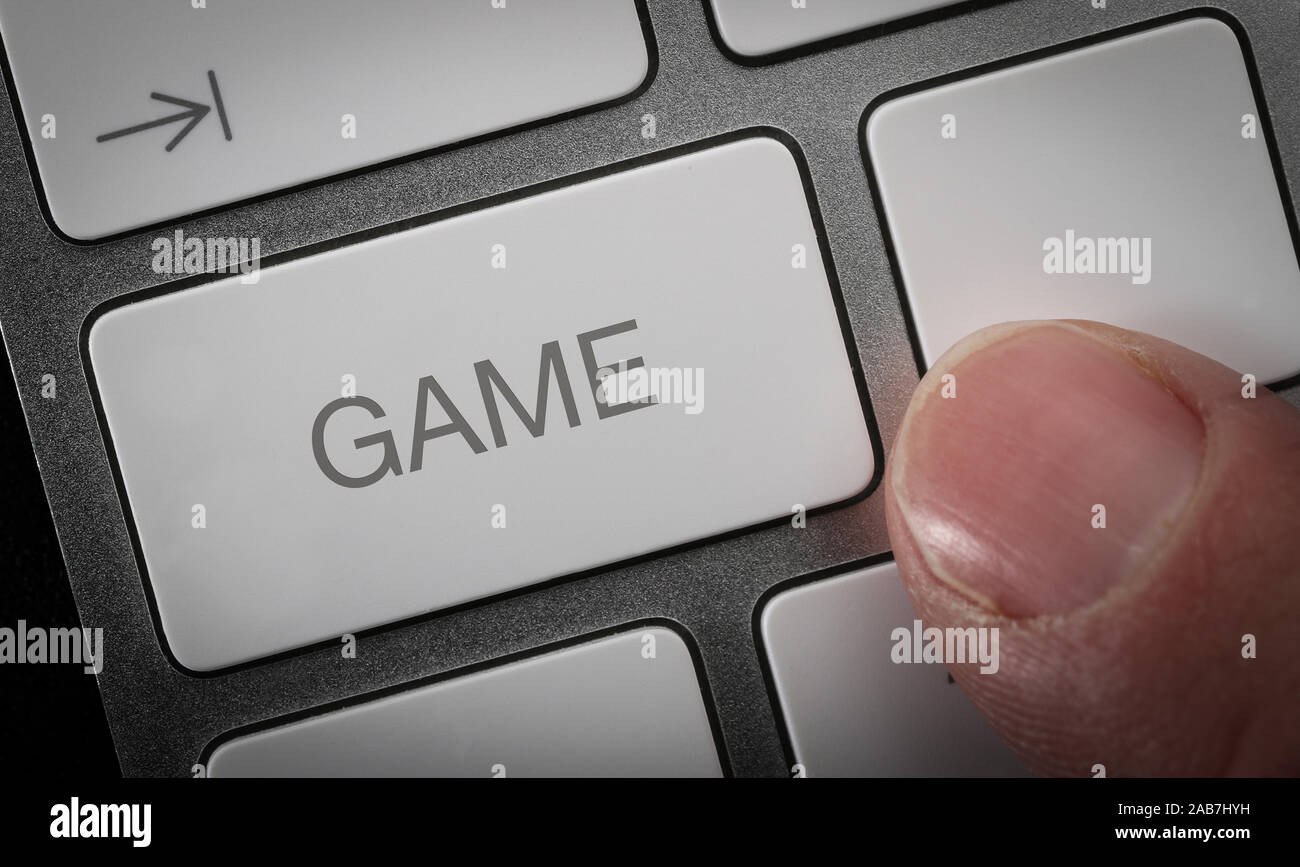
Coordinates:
x,y
214,397
755,28
849,709
1129,181
604,708
272,87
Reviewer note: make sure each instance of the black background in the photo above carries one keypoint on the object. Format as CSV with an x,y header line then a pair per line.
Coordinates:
x,y
53,723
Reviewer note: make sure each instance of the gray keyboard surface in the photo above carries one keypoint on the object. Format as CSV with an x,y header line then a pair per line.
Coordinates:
x,y
163,718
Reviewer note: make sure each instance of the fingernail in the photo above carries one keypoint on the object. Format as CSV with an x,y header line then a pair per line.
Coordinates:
x,y
1055,469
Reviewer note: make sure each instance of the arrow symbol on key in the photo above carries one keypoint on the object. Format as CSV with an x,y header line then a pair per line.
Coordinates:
x,y
194,112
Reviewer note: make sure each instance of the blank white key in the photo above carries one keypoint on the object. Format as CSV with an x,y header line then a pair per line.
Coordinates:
x,y
605,708
753,28
274,85
849,709
1145,150
213,396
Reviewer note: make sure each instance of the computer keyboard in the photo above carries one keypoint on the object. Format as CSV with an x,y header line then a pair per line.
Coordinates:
x,y
624,705
1027,188
500,388
758,30
829,647
395,396
283,93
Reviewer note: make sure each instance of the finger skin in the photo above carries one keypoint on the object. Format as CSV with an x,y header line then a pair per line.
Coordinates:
x,y
1150,679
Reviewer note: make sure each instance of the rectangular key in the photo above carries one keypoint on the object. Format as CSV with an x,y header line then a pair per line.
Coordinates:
x,y
423,419
187,109
628,705
755,28
1129,181
850,710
